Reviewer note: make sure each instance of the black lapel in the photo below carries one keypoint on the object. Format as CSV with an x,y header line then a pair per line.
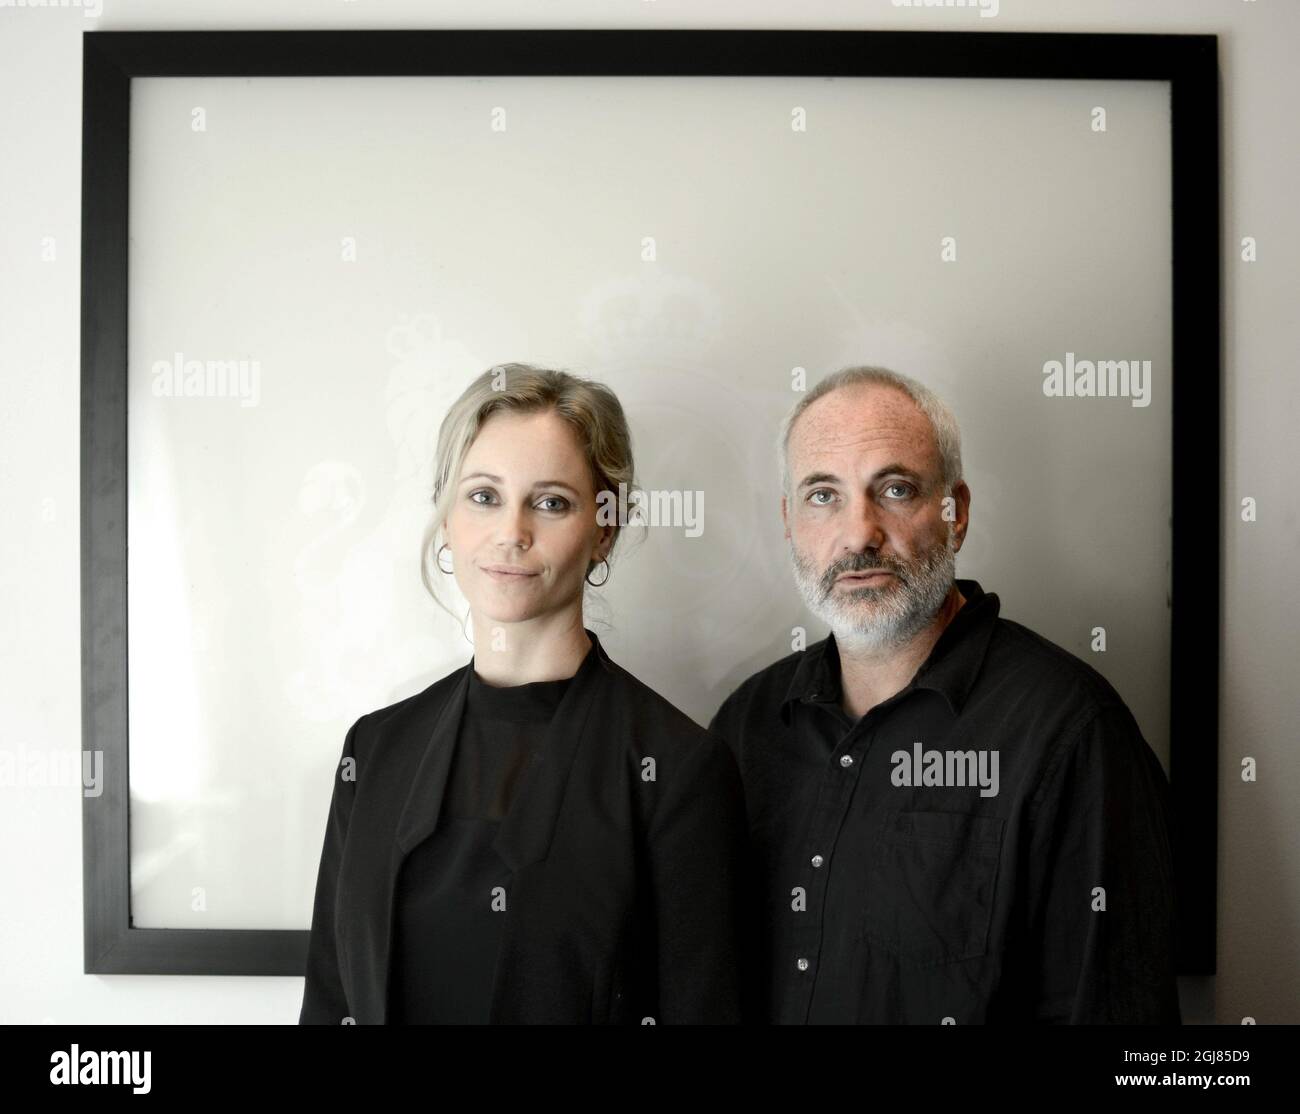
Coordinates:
x,y
525,833
424,799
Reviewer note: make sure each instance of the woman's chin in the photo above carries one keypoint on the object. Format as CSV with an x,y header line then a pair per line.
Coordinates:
x,y
499,611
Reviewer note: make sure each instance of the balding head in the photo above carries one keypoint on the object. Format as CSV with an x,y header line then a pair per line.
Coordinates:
x,y
941,427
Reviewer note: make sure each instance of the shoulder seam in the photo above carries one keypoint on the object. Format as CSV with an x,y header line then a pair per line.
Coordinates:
x,y
1067,745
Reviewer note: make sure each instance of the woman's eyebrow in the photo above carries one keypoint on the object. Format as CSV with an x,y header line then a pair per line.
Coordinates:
x,y
539,483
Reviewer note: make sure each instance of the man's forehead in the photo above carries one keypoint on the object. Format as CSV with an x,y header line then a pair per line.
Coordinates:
x,y
864,403
861,422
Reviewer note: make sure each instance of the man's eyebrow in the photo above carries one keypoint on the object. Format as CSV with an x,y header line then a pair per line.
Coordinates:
x,y
539,483
818,478
896,468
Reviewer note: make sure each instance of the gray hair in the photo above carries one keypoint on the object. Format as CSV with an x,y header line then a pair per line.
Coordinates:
x,y
947,436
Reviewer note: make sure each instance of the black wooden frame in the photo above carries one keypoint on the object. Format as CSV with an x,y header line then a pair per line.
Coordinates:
x,y
111,59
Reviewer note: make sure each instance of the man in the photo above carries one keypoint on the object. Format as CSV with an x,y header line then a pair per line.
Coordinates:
x,y
954,821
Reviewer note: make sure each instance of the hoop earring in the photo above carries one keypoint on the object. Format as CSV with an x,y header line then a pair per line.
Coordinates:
x,y
438,558
608,571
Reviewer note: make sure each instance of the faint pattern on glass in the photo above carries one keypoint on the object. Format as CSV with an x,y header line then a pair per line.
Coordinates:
x,y
364,612
700,421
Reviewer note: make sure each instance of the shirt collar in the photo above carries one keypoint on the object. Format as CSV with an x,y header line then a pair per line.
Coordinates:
x,y
950,670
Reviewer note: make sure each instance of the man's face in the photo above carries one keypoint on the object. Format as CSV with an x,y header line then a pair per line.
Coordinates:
x,y
873,555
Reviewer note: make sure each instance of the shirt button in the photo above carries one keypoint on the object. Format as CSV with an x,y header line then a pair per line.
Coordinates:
x,y
817,860
846,760
801,963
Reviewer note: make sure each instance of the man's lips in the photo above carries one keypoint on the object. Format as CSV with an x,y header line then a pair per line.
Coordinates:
x,y
866,577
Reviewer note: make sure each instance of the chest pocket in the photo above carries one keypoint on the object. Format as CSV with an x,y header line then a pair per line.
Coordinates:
x,y
930,882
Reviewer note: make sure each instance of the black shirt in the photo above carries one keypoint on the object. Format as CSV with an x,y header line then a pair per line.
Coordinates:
x,y
453,889
988,845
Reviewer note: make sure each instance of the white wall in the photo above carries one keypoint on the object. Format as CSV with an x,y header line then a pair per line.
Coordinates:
x,y
40,58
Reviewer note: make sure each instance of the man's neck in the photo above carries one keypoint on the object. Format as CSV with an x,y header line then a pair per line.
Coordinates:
x,y
870,677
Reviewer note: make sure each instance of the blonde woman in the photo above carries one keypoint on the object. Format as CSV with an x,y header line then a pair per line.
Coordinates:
x,y
537,837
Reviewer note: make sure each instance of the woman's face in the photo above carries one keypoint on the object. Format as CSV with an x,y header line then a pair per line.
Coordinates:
x,y
522,527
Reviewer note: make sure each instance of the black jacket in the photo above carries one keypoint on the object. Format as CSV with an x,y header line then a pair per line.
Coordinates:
x,y
626,842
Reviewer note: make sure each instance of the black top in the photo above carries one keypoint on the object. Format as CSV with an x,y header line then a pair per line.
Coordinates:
x,y
453,889
988,845
626,898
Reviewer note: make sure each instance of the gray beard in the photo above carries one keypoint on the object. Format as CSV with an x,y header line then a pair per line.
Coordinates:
x,y
873,619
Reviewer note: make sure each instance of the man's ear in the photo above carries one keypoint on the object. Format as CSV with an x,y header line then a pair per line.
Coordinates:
x,y
962,524
785,518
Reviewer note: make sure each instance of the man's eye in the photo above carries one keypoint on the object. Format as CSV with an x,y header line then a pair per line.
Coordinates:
x,y
812,497
906,487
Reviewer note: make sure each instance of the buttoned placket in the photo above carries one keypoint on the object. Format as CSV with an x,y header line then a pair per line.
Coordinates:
x,y
828,816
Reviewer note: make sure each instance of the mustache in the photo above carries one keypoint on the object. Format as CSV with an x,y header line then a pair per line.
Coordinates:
x,y
857,562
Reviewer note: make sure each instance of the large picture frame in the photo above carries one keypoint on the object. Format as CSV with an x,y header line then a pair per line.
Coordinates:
x,y
113,944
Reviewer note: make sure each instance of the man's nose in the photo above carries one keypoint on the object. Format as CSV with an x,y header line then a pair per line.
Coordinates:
x,y
862,527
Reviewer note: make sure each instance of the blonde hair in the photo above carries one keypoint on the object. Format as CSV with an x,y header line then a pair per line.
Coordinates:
x,y
590,408
947,435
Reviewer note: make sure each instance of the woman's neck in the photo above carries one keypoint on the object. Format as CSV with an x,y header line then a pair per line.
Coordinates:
x,y
547,648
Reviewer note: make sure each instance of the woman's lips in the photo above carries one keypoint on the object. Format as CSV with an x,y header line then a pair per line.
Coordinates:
x,y
509,574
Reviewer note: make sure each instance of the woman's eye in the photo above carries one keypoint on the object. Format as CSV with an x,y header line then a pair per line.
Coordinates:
x,y
481,502
560,503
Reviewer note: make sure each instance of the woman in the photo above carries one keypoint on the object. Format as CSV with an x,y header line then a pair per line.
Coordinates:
x,y
537,837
